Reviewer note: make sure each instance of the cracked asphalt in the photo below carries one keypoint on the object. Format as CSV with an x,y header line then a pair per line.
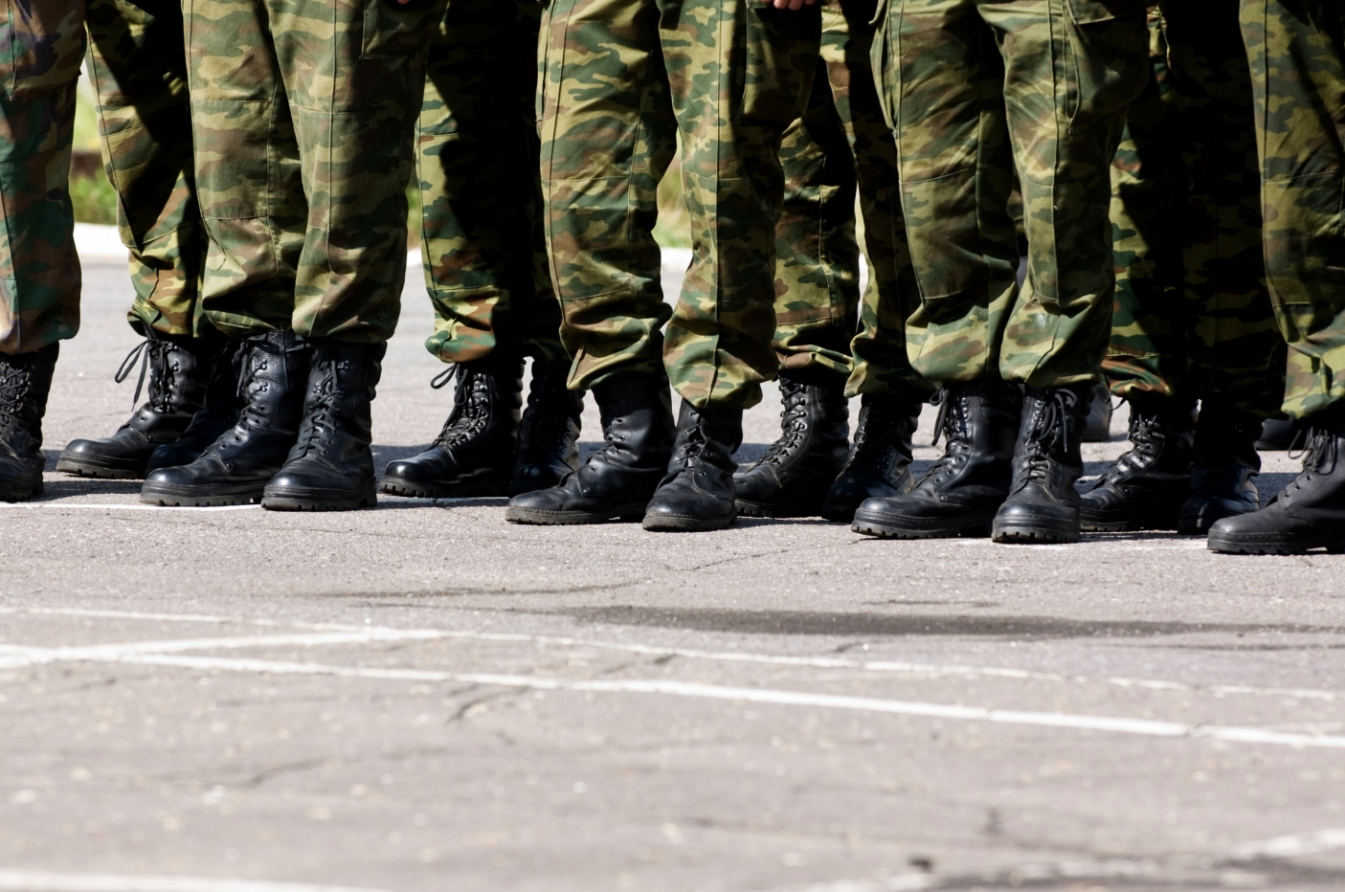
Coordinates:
x,y
423,697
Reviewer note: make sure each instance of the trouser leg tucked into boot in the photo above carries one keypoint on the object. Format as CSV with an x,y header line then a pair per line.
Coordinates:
x,y
793,477
1144,489
879,464
1043,505
616,482
473,454
235,468
331,467
178,369
1307,514
548,436
223,403
25,382
1224,469
697,494
961,492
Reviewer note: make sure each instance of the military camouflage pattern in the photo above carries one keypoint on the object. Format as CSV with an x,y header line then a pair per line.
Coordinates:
x,y
477,162
304,115
41,47
1297,53
622,80
841,146
1059,75
1193,318
138,66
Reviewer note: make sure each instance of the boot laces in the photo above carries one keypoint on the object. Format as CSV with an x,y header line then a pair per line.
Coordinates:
x,y
153,357
951,424
318,412
793,421
873,440
1049,429
16,382
471,406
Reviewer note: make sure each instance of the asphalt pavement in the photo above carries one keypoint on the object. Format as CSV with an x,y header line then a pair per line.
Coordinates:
x,y
423,697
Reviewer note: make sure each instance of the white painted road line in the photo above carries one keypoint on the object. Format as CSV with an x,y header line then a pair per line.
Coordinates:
x,y
774,697
48,881
1292,846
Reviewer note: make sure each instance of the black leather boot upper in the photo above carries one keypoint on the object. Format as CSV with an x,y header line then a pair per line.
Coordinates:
x,y
178,369
1043,505
331,467
25,382
474,452
1097,428
1144,489
548,435
879,464
616,482
697,494
1225,466
236,467
793,477
960,492
1307,514
223,402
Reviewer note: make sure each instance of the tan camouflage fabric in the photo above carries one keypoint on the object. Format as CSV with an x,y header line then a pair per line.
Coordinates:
x,y
625,83
973,90
41,47
480,188
138,66
842,148
1297,53
304,116
1193,318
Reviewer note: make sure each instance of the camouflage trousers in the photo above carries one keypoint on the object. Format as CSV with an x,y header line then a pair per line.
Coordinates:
x,y
480,190
1297,54
625,84
138,66
1192,316
41,48
839,148
973,89
304,115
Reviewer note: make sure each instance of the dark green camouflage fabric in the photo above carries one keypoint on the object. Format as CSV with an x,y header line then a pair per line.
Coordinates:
x,y
477,162
1193,318
138,65
841,148
1297,53
304,116
41,47
973,90
622,81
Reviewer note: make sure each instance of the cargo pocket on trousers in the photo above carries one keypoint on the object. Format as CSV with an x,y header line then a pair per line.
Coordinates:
x,y
1106,59
782,50
41,48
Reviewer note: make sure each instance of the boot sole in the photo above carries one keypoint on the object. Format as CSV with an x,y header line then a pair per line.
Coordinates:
x,y
318,500
1199,524
839,513
1273,544
1103,523
1029,532
11,493
430,491
86,468
685,523
188,499
763,509
910,528
624,514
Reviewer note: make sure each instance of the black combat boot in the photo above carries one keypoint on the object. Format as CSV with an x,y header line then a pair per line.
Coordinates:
x,y
879,465
697,494
1224,470
25,382
961,492
178,369
474,453
1043,505
1144,489
793,477
1278,434
331,467
1307,514
616,482
235,468
1097,429
223,403
548,436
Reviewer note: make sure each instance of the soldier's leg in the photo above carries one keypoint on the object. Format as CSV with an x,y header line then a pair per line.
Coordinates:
x,y
138,65
39,271
1297,54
